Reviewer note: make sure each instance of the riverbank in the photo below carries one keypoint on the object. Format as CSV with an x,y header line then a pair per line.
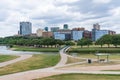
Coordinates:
x,y
78,49
73,49
32,49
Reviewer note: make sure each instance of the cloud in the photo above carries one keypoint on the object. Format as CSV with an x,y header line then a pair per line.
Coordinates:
x,y
57,12
101,1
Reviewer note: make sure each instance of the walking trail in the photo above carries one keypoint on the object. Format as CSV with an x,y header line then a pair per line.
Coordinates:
x,y
40,73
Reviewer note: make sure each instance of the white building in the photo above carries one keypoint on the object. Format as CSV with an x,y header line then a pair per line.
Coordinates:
x,y
40,32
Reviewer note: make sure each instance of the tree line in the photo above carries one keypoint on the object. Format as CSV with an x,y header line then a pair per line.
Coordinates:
x,y
106,39
33,41
51,42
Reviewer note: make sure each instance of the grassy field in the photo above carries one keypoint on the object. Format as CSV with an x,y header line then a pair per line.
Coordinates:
x,y
4,58
74,60
36,62
24,48
82,77
113,58
94,49
93,56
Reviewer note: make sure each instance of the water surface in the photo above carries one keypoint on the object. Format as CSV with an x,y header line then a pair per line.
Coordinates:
x,y
6,50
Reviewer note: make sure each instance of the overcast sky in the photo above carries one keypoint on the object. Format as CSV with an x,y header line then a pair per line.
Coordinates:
x,y
76,13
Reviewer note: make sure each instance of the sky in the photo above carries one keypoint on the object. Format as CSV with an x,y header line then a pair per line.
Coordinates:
x,y
52,13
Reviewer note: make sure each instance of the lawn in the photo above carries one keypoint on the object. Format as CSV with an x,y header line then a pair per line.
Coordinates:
x,y
36,62
93,56
94,49
82,77
4,58
24,48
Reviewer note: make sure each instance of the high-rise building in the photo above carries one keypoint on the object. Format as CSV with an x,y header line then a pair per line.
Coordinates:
x,y
96,26
59,35
46,28
39,32
54,29
63,34
87,34
97,33
65,26
79,33
79,29
25,28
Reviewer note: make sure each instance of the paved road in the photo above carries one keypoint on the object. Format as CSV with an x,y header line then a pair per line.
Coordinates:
x,y
40,73
22,57
64,57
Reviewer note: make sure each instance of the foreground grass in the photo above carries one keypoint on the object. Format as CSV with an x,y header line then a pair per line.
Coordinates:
x,y
24,48
82,77
36,62
4,58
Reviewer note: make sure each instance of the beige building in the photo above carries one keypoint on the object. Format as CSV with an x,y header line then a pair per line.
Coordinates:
x,y
40,32
47,34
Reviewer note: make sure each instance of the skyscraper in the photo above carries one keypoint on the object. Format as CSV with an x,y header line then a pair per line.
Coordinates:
x,y
25,28
65,26
46,28
96,26
54,29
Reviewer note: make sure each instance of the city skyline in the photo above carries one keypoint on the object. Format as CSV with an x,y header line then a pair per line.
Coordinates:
x,y
75,13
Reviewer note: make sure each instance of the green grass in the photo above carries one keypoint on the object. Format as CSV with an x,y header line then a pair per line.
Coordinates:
x,y
82,77
94,49
24,48
36,62
93,56
113,70
4,58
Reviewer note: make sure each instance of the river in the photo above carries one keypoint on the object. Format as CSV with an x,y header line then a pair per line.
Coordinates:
x,y
6,50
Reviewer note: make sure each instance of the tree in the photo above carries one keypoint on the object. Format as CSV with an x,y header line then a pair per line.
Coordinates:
x,y
107,39
84,41
116,40
70,43
88,42
99,42
58,42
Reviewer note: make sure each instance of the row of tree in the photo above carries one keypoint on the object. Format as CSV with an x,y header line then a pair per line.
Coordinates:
x,y
106,39
109,39
50,42
34,41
